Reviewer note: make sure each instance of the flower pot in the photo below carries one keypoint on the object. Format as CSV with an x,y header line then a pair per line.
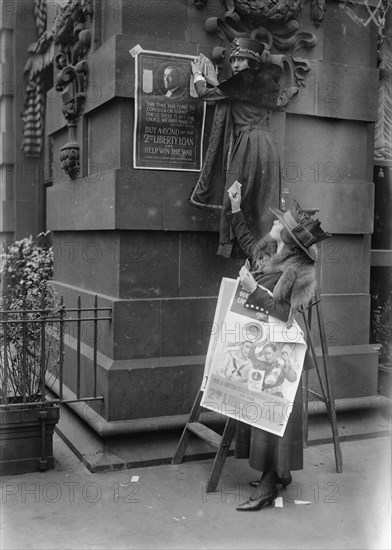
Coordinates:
x,y
26,437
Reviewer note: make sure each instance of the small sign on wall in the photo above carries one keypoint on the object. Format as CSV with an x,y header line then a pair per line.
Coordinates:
x,y
169,118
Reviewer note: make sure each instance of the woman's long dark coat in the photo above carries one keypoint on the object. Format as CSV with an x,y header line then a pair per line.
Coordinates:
x,y
242,148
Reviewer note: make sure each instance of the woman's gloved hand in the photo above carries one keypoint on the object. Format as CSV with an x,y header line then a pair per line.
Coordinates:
x,y
235,197
196,67
248,282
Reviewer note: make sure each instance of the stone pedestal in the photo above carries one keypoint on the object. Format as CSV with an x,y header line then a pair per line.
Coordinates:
x,y
131,236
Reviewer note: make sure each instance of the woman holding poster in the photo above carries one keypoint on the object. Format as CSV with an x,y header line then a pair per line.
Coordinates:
x,y
241,146
281,279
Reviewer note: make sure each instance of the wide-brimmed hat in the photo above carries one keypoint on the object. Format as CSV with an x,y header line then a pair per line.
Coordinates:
x,y
305,230
247,47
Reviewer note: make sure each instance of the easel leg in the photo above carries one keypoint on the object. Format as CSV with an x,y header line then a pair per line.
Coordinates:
x,y
221,455
195,411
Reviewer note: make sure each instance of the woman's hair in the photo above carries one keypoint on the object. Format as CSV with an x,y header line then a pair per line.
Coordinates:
x,y
254,64
266,246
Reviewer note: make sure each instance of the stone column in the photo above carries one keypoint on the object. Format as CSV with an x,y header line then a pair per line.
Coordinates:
x,y
131,236
20,176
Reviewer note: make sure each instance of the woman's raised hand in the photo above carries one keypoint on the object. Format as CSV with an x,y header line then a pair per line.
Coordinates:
x,y
235,197
196,66
248,282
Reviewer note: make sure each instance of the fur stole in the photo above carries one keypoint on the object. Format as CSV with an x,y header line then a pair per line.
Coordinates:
x,y
259,87
297,284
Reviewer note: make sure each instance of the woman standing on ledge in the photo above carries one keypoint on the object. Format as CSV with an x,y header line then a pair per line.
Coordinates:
x,y
241,146
282,279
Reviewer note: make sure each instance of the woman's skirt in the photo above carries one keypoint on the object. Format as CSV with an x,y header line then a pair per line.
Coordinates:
x,y
267,451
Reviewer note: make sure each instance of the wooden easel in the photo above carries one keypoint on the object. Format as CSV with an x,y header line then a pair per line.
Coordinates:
x,y
222,442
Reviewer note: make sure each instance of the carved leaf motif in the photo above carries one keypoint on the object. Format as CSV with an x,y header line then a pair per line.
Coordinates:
x,y
71,19
262,11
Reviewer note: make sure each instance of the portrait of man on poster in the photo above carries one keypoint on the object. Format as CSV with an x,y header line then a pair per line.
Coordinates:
x,y
174,82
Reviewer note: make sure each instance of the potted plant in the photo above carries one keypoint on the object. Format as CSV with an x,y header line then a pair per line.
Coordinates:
x,y
27,344
383,336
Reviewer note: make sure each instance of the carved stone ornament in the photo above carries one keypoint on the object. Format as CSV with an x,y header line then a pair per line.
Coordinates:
x,y
383,128
69,153
263,11
74,40
73,82
273,22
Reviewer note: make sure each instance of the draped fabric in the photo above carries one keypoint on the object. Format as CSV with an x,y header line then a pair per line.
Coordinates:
x,y
41,56
40,11
33,116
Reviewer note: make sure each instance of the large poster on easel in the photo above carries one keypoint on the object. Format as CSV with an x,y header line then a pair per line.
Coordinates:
x,y
253,365
169,118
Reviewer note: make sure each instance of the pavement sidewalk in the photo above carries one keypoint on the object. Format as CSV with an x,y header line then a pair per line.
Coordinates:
x,y
166,506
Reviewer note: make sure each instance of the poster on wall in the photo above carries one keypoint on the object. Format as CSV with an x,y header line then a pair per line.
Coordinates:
x,y
253,364
169,117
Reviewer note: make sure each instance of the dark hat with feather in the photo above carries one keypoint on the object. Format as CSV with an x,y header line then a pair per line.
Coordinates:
x,y
305,230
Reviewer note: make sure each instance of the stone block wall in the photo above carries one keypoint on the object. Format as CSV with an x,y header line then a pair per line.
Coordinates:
x,y
131,236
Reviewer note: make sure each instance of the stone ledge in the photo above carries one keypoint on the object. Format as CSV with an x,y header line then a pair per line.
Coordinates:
x,y
350,404
357,419
381,258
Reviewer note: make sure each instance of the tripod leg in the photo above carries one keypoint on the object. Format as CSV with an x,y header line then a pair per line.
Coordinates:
x,y
327,396
305,395
311,345
331,401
